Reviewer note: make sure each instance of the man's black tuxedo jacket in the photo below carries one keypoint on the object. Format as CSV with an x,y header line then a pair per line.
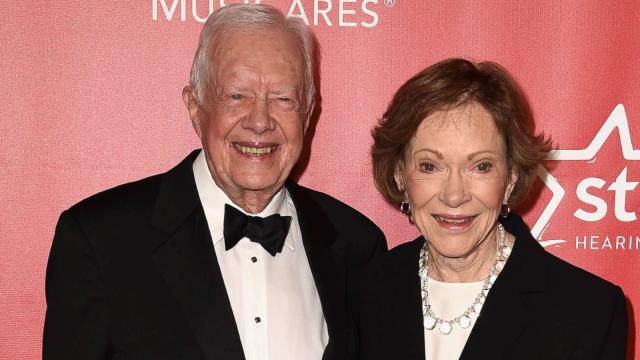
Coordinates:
x,y
132,273
540,307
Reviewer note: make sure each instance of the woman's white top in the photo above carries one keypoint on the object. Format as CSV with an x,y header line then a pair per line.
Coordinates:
x,y
449,300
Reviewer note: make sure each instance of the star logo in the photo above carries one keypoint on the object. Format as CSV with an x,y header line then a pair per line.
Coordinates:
x,y
616,120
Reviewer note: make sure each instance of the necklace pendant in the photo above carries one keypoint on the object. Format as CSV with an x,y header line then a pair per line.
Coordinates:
x,y
477,307
464,321
429,322
505,251
445,328
423,274
430,319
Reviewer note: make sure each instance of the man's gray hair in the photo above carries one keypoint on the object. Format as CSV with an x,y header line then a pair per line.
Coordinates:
x,y
253,16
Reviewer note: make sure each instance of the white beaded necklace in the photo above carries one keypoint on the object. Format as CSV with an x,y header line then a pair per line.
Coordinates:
x,y
430,320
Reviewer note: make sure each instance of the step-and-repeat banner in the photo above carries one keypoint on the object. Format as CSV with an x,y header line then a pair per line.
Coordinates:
x,y
91,98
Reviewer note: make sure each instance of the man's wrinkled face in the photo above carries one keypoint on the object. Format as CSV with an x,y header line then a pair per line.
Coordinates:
x,y
252,121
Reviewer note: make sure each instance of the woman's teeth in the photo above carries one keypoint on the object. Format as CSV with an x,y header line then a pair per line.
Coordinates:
x,y
453,221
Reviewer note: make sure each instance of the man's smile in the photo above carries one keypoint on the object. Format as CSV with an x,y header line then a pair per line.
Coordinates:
x,y
255,149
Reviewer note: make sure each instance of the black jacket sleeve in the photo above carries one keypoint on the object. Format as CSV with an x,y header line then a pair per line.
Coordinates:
x,y
615,341
76,317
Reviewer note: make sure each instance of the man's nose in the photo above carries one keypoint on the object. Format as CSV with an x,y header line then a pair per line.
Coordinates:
x,y
453,190
259,120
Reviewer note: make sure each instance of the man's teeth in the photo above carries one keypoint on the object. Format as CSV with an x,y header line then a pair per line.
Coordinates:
x,y
255,150
453,221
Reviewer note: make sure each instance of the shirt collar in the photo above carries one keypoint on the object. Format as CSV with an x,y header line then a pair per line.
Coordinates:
x,y
213,200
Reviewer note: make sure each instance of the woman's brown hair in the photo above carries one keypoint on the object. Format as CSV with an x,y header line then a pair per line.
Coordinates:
x,y
446,85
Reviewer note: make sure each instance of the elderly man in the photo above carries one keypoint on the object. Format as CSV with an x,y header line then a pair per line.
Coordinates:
x,y
220,257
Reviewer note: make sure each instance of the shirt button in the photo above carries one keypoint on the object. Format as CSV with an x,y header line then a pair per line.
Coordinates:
x,y
257,319
254,259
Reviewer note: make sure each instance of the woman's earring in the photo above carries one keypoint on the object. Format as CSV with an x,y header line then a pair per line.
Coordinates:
x,y
405,207
505,210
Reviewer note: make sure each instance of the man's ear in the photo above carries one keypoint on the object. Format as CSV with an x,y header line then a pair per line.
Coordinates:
x,y
307,118
189,98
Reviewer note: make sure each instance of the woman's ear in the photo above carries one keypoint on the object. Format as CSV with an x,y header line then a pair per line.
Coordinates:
x,y
398,176
511,184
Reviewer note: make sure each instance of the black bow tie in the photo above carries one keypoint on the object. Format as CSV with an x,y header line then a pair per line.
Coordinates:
x,y
269,232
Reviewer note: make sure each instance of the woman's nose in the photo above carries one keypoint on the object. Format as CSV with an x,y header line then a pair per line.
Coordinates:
x,y
453,192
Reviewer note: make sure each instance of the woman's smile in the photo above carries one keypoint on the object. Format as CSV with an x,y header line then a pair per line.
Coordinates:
x,y
454,223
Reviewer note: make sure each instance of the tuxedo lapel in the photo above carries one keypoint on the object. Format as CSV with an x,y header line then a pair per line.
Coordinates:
x,y
327,267
507,310
187,261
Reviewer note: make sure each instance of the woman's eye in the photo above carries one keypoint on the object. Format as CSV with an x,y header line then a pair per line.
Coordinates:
x,y
428,167
236,97
484,167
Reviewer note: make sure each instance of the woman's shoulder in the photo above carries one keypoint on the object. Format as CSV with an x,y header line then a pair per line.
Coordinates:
x,y
575,301
400,255
578,283
407,248
395,262
565,279
390,278
561,290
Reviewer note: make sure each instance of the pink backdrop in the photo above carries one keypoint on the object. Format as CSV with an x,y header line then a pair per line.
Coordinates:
x,y
91,99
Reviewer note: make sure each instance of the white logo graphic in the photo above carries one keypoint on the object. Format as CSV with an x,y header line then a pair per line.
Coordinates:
x,y
341,13
617,119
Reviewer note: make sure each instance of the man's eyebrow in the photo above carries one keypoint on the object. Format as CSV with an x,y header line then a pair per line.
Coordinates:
x,y
282,91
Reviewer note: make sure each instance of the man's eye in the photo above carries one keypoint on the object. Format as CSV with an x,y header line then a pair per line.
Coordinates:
x,y
484,167
236,97
285,102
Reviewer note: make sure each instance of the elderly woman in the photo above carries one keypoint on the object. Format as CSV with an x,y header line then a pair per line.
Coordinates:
x,y
455,151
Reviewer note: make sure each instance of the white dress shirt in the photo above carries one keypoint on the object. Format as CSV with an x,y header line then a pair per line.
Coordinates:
x,y
274,300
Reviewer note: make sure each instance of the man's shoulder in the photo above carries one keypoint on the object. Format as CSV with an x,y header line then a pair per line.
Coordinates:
x,y
337,211
128,197
357,234
136,198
